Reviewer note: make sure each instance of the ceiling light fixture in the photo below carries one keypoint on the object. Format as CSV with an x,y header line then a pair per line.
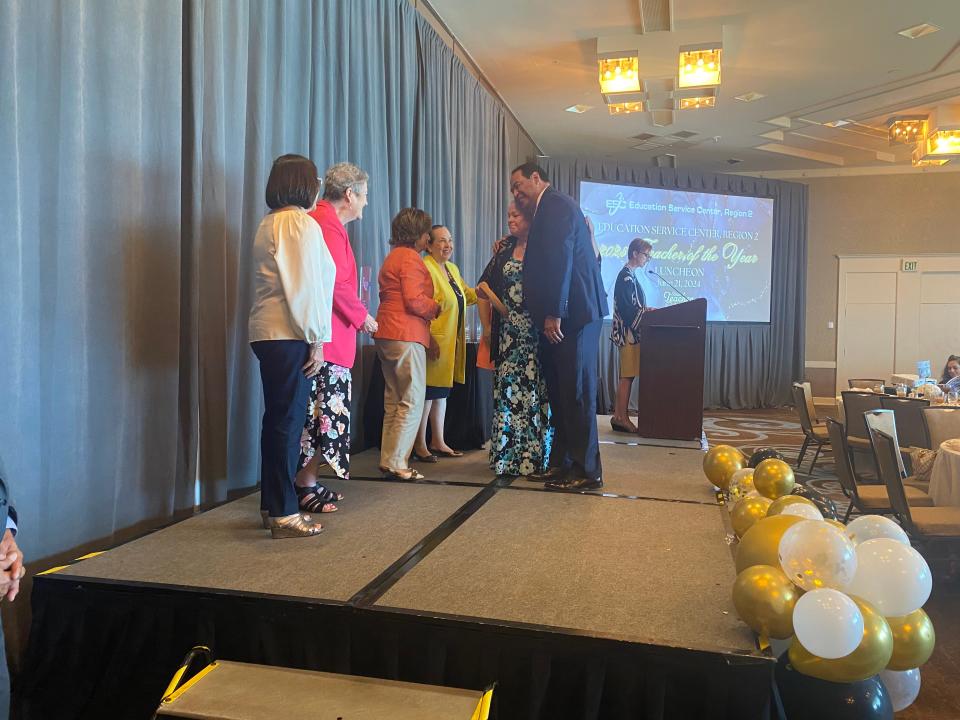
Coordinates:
x,y
625,108
696,103
699,65
917,158
941,138
906,129
619,74
837,123
918,31
749,96
578,108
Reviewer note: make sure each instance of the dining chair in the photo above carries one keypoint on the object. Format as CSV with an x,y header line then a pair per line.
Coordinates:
x,y
855,404
920,523
886,421
865,499
815,433
940,422
909,418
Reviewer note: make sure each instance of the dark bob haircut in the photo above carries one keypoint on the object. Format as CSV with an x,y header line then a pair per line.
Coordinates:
x,y
293,181
529,168
407,227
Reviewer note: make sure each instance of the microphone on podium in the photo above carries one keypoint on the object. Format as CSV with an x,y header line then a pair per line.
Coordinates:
x,y
654,272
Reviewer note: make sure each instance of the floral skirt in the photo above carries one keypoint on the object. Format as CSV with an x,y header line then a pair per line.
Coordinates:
x,y
327,429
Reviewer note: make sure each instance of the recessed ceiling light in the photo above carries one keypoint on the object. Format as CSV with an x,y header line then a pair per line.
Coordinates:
x,y
579,108
918,31
838,123
749,97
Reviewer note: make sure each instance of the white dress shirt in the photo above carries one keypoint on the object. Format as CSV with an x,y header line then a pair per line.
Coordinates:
x,y
293,282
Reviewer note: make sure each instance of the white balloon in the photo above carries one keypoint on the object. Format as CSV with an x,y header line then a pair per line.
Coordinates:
x,y
808,512
828,623
903,687
891,576
871,527
815,554
739,481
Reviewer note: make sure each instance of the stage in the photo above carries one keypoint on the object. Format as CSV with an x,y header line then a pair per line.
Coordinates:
x,y
605,604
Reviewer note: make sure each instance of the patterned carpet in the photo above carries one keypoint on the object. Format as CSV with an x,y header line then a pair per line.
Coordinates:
x,y
780,429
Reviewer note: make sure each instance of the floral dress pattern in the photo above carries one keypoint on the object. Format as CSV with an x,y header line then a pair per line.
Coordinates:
x,y
328,420
522,432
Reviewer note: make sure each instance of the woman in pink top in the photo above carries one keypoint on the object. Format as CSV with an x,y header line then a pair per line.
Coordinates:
x,y
326,436
406,309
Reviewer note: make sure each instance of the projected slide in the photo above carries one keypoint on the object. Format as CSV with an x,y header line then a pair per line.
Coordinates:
x,y
717,247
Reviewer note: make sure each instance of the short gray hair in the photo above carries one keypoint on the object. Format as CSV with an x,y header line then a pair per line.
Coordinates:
x,y
341,177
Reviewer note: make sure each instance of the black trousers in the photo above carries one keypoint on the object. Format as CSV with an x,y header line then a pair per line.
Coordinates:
x,y
570,369
285,394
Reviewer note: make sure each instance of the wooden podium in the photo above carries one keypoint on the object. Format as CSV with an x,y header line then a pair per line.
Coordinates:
x,y
670,381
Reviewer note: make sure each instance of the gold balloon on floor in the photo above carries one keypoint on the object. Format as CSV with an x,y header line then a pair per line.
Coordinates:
x,y
871,656
773,478
720,463
764,598
913,640
778,505
747,511
760,544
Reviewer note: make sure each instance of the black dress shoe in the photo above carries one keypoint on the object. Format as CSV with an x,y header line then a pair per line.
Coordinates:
x,y
550,474
575,484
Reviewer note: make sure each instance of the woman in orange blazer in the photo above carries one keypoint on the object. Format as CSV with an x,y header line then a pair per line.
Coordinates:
x,y
406,309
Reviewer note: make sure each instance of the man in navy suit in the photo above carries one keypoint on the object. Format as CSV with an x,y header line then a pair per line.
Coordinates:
x,y
563,292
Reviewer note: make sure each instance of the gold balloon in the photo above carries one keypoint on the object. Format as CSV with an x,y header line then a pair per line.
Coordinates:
x,y
836,524
913,640
720,463
747,511
870,657
760,544
773,478
764,598
778,505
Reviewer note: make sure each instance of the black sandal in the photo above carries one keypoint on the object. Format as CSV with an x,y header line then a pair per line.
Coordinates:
x,y
428,458
313,500
329,495
393,475
447,453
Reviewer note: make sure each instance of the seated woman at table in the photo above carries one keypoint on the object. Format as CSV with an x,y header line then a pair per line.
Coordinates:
x,y
522,433
402,337
447,354
950,380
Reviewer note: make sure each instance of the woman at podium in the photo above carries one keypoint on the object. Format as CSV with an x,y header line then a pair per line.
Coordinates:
x,y
629,303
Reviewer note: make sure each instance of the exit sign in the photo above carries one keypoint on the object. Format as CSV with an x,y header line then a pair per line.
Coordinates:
x,y
911,265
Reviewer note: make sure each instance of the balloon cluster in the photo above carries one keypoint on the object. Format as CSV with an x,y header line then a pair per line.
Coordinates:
x,y
848,598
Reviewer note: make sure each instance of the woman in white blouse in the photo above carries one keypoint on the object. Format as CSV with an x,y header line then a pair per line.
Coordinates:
x,y
289,322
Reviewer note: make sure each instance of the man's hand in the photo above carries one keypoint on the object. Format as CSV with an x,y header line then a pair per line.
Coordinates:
x,y
498,244
551,330
11,566
433,352
370,325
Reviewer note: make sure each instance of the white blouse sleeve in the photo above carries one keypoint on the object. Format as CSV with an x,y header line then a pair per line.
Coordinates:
x,y
307,274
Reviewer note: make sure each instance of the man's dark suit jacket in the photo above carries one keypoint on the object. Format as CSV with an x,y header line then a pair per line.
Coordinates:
x,y
561,275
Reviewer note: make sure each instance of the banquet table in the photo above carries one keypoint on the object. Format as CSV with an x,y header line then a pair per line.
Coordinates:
x,y
945,476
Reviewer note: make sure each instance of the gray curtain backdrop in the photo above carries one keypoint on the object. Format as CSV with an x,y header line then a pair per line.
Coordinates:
x,y
747,365
136,138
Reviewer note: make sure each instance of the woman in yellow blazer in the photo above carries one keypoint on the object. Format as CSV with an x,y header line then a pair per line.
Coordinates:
x,y
447,355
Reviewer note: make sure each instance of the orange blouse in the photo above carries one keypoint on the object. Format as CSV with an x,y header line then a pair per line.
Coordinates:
x,y
406,298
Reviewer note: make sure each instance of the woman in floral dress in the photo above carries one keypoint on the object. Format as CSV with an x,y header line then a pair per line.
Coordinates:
x,y
522,433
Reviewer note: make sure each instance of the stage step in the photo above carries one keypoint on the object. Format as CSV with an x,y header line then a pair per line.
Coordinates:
x,y
240,691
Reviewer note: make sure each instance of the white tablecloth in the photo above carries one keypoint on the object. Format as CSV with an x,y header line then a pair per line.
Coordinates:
x,y
945,476
904,379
